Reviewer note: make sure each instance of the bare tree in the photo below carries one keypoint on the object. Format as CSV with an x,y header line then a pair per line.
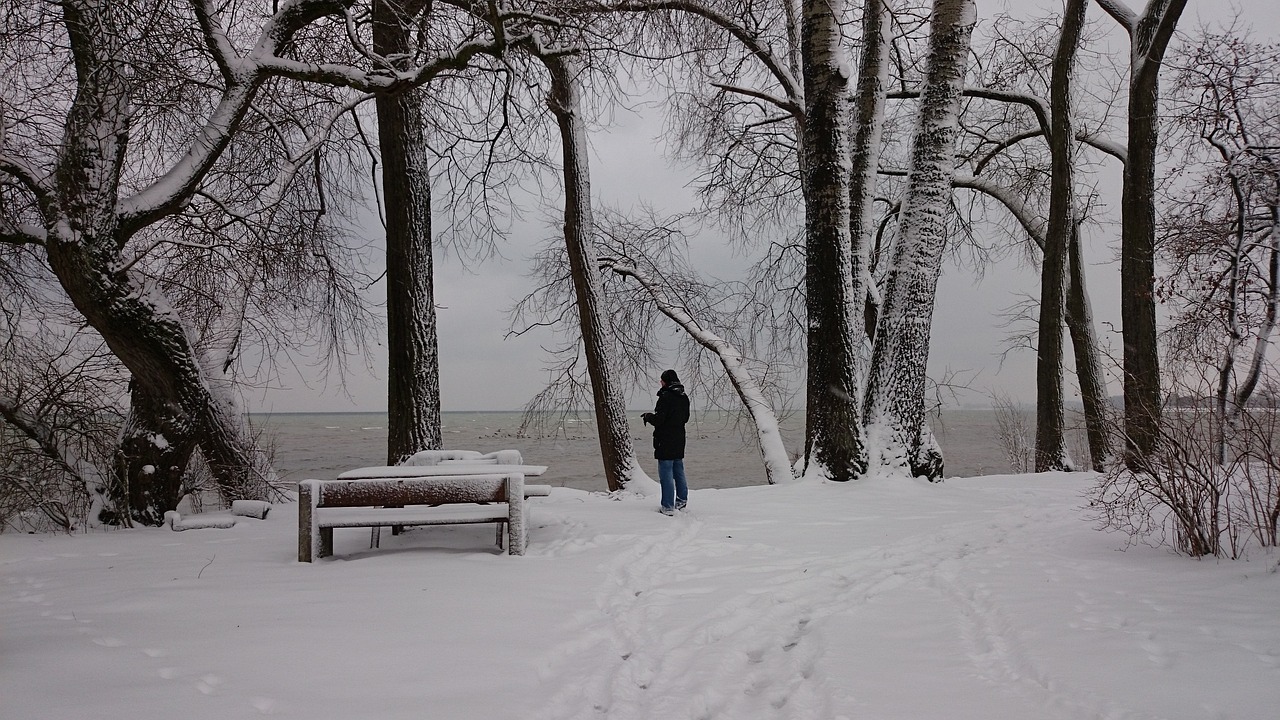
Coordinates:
x,y
1149,35
1006,127
1051,447
1221,232
748,387
98,203
622,471
58,424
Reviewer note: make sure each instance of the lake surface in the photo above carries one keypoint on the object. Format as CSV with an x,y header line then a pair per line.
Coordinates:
x,y
321,445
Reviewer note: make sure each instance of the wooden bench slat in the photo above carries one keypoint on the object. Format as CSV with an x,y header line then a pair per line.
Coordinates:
x,y
413,491
418,515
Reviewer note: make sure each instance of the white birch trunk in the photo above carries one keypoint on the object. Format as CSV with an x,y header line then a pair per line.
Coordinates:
x,y
868,133
898,435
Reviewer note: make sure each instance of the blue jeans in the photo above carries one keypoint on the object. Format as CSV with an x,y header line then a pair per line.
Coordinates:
x,y
675,492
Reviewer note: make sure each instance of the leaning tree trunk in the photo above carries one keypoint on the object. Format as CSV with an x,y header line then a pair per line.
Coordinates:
x,y
413,367
1084,343
620,465
1051,440
83,247
897,431
777,467
833,435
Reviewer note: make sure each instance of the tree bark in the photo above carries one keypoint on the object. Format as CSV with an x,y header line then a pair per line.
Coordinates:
x,y
868,133
1051,446
83,245
1149,36
833,437
1084,342
620,465
897,430
413,365
155,449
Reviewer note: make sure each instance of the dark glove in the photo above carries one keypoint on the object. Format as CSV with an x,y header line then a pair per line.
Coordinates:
x,y
646,417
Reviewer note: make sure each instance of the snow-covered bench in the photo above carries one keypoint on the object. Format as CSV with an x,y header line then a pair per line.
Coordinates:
x,y
434,500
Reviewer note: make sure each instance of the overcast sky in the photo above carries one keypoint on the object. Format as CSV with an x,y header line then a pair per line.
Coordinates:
x,y
480,370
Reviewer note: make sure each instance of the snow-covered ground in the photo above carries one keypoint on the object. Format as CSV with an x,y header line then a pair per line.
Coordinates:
x,y
979,598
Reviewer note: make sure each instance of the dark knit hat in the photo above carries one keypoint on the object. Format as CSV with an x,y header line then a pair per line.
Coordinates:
x,y
669,377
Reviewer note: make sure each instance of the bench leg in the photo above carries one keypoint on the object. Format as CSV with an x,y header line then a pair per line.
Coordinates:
x,y
326,542
308,538
516,533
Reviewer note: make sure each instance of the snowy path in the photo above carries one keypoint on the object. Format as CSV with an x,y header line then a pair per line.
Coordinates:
x,y
688,624
978,599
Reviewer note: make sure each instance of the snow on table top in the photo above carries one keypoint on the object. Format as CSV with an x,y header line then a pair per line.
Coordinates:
x,y
401,471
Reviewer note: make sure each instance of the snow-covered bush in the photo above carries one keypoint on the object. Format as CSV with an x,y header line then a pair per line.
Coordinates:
x,y
1016,431
1184,497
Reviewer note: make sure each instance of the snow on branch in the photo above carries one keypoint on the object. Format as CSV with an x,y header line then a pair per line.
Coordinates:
x,y
21,234
777,68
245,73
786,105
777,465
215,39
1037,104
1121,13
25,175
1110,147
46,438
1029,219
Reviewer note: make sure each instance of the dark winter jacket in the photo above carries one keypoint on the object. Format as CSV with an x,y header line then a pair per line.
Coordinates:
x,y
668,419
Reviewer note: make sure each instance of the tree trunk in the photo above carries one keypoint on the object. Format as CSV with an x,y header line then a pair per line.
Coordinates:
x,y
620,465
1051,445
833,437
83,247
1149,37
155,449
1089,373
897,431
413,366
868,133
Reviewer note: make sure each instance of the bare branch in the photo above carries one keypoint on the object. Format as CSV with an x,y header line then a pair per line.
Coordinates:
x,y
786,105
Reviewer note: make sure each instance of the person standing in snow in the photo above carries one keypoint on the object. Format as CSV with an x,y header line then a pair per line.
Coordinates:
x,y
668,419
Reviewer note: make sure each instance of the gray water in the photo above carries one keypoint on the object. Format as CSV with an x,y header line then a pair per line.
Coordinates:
x,y
321,445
